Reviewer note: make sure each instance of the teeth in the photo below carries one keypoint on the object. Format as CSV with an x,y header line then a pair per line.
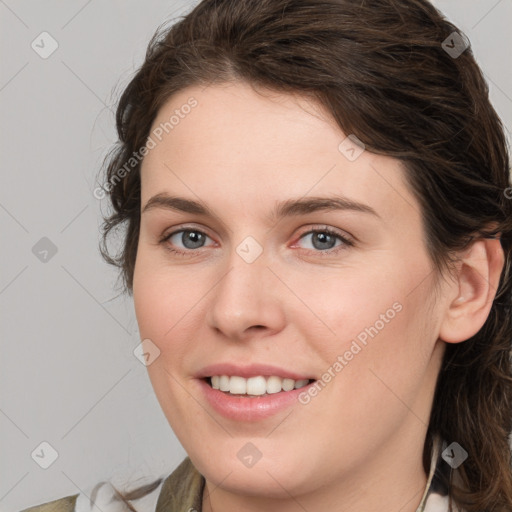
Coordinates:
x,y
237,385
224,383
255,385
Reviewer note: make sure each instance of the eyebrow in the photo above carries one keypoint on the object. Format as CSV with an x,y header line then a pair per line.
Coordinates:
x,y
287,208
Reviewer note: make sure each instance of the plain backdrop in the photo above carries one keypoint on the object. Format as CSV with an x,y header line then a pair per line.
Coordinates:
x,y
68,375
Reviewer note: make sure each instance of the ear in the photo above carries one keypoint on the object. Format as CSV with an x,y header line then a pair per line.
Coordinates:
x,y
473,291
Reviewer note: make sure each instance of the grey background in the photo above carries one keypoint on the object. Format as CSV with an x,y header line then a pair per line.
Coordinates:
x,y
68,374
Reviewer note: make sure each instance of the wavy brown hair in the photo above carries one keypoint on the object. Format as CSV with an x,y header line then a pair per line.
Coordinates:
x,y
380,69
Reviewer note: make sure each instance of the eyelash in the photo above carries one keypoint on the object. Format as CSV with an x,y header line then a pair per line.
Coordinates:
x,y
346,242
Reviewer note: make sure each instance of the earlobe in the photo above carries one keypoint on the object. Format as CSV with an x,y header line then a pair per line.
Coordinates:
x,y
475,286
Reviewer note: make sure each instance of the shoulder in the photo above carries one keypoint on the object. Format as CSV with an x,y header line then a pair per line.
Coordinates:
x,y
180,491
66,504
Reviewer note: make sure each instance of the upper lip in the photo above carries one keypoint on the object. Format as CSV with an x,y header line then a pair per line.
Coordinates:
x,y
252,370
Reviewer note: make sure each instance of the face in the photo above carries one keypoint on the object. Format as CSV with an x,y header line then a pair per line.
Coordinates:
x,y
333,295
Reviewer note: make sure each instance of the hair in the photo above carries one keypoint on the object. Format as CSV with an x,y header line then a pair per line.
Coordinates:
x,y
380,69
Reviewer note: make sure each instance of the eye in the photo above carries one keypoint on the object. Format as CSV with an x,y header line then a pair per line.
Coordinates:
x,y
190,238
324,240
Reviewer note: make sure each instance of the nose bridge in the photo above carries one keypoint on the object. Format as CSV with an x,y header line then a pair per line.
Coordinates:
x,y
245,297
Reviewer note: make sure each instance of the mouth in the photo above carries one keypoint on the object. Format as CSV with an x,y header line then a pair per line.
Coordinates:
x,y
257,386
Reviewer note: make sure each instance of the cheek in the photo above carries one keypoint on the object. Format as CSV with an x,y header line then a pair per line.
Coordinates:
x,y
169,312
161,307
386,361
160,299
354,303
375,330
149,299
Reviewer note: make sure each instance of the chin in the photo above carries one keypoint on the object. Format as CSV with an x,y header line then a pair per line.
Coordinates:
x,y
271,476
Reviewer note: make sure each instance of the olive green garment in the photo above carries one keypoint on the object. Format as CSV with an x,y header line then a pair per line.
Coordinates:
x,y
66,504
182,491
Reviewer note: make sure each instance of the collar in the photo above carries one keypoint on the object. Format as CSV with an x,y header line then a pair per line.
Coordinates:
x,y
183,490
436,496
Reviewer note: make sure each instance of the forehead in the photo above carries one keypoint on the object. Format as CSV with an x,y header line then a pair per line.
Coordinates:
x,y
241,149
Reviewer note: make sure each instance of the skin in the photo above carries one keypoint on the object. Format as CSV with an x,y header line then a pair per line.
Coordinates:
x,y
358,444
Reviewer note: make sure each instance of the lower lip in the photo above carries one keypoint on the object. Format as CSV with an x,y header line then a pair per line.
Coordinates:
x,y
250,408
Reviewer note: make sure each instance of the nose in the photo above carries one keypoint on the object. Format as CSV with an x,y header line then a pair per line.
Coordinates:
x,y
246,300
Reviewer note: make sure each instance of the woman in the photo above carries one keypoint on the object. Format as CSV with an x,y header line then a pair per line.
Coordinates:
x,y
318,242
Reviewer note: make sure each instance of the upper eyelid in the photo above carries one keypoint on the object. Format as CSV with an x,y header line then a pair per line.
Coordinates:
x,y
179,229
